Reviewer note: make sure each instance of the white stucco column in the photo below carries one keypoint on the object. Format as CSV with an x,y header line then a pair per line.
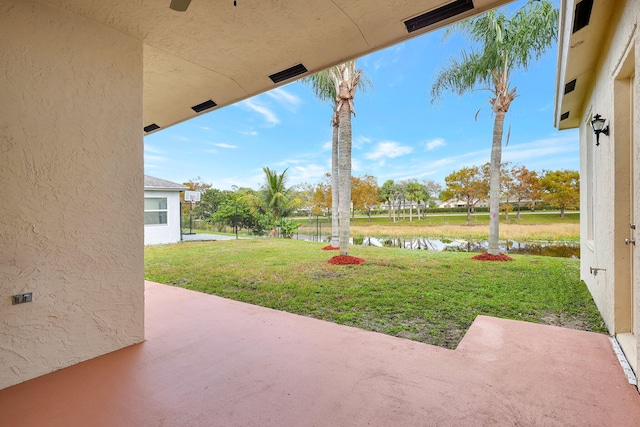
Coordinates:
x,y
71,202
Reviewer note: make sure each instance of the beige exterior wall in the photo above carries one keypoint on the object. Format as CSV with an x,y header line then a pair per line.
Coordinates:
x,y
609,174
72,190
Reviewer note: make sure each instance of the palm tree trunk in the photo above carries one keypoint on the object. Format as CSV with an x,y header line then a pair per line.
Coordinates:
x,y
344,177
335,237
494,184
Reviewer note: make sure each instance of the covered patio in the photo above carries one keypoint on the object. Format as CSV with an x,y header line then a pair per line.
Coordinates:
x,y
209,361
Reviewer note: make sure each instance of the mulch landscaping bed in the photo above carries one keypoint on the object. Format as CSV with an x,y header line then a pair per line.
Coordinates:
x,y
330,248
346,260
488,257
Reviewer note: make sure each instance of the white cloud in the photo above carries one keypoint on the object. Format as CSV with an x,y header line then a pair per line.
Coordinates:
x,y
434,143
388,149
285,98
148,148
223,145
249,133
266,113
327,146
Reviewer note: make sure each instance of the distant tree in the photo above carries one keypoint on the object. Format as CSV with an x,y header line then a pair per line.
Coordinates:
x,y
506,184
561,188
525,186
197,184
415,193
274,196
503,44
387,194
469,185
365,193
321,201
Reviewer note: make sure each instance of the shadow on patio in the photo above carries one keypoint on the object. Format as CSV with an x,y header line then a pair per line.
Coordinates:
x,y
209,361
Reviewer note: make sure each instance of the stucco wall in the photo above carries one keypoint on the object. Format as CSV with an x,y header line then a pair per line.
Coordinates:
x,y
610,175
169,233
71,199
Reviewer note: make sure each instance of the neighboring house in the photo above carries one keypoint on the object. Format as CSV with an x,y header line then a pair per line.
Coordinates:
x,y
457,203
599,50
161,211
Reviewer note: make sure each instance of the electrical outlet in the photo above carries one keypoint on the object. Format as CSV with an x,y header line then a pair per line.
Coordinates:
x,y
22,298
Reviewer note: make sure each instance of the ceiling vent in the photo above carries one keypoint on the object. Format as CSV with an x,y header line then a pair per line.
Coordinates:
x,y
204,106
151,127
289,73
564,116
440,14
570,87
582,15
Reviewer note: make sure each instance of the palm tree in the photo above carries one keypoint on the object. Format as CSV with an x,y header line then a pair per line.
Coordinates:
x,y
274,197
324,88
503,44
339,84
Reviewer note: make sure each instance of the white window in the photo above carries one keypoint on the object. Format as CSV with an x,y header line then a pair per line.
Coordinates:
x,y
155,210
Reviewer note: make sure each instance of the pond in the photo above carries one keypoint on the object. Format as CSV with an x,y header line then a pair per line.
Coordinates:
x,y
554,249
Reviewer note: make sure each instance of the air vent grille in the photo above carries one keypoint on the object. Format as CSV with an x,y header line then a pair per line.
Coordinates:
x,y
151,127
289,73
204,106
570,87
582,15
440,14
564,116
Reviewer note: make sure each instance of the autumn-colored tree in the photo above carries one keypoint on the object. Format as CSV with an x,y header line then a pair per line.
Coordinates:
x,y
525,186
321,200
468,184
365,193
561,188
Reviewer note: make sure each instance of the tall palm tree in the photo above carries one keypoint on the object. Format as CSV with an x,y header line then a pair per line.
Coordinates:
x,y
502,44
338,84
324,88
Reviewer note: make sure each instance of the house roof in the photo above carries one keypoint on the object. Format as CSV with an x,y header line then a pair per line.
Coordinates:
x,y
153,183
216,54
583,28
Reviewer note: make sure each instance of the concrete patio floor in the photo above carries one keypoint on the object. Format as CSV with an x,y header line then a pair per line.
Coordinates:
x,y
209,361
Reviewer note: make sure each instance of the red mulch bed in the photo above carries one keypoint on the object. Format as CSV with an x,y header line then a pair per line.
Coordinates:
x,y
330,248
346,260
487,257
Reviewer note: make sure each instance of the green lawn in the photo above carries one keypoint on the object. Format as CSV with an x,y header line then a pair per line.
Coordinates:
x,y
431,297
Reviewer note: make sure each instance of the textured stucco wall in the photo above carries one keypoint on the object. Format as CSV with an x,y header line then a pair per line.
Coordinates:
x,y
71,200
169,233
607,249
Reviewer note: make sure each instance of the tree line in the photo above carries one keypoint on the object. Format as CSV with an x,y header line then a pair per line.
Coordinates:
x,y
269,209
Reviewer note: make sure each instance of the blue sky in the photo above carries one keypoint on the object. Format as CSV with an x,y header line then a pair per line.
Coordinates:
x,y
397,133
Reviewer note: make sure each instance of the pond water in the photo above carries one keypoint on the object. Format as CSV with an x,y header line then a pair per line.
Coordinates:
x,y
555,249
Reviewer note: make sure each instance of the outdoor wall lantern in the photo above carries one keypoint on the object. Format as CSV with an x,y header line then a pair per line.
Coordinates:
x,y
598,127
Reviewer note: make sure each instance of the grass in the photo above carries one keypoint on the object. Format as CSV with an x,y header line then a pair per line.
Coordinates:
x,y
432,297
547,227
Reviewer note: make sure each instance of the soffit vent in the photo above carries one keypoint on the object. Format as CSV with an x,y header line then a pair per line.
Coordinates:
x,y
564,116
570,87
289,73
582,15
440,14
151,127
204,106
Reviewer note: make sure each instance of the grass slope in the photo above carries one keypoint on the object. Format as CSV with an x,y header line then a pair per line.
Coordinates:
x,y
432,297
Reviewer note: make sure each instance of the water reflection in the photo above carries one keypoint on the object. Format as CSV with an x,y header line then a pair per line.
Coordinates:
x,y
566,250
